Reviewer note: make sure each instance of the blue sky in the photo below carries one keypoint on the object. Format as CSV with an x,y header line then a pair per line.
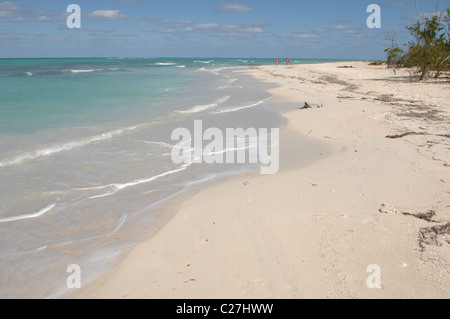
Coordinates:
x,y
204,28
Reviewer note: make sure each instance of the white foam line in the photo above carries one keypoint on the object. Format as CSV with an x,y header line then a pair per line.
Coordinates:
x,y
91,188
232,149
210,177
92,70
118,187
64,147
104,195
165,63
200,108
143,181
248,138
41,248
157,143
82,71
230,81
28,216
215,71
205,62
239,108
120,222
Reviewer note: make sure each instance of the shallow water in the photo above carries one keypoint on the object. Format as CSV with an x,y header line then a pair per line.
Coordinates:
x,y
85,159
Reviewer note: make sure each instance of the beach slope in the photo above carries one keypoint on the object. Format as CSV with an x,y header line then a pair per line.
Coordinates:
x,y
375,198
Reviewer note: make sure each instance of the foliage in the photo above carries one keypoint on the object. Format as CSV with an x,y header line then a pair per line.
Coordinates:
x,y
429,53
394,56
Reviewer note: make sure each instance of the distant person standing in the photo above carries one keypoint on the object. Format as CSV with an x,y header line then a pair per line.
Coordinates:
x,y
287,61
277,62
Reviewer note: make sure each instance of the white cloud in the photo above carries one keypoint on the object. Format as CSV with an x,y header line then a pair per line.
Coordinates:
x,y
146,30
254,30
233,8
16,19
43,18
346,28
126,35
9,11
400,3
170,23
427,15
206,26
47,16
202,27
124,2
106,15
238,31
341,27
8,5
235,31
306,36
15,13
172,31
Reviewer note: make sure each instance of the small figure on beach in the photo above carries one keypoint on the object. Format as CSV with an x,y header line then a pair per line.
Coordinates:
x,y
395,71
287,61
276,62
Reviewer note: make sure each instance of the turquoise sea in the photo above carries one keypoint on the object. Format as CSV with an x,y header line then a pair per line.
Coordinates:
x,y
85,164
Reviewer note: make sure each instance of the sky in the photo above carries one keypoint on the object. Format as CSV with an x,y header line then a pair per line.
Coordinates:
x,y
206,28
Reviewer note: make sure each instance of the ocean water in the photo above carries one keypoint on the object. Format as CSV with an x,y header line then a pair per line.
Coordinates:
x,y
85,166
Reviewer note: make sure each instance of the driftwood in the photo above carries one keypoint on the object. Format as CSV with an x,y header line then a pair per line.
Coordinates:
x,y
404,134
308,106
416,133
428,216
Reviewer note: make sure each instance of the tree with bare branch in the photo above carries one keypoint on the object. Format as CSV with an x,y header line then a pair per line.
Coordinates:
x,y
430,50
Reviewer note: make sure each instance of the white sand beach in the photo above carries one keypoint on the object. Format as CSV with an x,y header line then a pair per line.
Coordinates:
x,y
312,230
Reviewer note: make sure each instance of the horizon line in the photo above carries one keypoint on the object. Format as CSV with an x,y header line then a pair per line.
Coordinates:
x,y
191,57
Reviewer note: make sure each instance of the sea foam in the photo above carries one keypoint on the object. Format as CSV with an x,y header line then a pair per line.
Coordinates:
x,y
201,108
116,187
27,156
238,108
28,216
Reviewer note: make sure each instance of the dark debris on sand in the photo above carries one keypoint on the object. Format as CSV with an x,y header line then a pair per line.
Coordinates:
x,y
434,235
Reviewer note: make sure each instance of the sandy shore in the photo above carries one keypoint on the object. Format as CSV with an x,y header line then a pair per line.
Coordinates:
x,y
312,230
